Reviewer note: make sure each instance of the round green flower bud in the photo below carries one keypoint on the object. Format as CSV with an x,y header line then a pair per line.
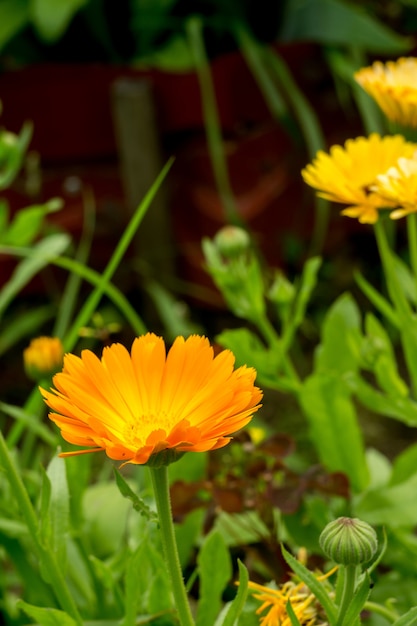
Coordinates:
x,y
349,541
231,241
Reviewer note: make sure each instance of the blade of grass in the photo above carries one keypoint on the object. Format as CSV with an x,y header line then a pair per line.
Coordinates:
x,y
211,121
92,301
69,297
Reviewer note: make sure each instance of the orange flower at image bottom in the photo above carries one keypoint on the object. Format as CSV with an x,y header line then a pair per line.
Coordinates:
x,y
138,404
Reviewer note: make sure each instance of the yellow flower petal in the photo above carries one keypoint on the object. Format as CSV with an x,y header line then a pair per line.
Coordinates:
x,y
348,173
393,86
135,405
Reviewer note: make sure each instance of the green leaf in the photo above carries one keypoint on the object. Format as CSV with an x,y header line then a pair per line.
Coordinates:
x,y
12,152
52,17
215,571
14,15
41,253
382,359
394,505
232,611
28,222
408,619
249,350
404,465
340,346
31,422
293,618
334,428
402,409
22,325
313,584
46,617
380,303
105,516
58,509
359,598
138,504
338,23
174,56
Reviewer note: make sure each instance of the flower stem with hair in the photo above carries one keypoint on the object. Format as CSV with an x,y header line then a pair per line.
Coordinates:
x,y
160,485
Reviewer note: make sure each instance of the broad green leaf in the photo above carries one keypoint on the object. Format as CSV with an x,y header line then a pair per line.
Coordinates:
x,y
215,571
134,584
46,617
52,17
404,465
408,619
105,515
159,589
339,23
188,533
380,468
313,584
394,506
41,253
58,509
232,611
14,15
334,428
27,223
341,340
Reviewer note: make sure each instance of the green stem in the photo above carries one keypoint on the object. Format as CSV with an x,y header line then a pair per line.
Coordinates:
x,y
273,340
389,615
395,290
412,242
349,580
45,554
160,484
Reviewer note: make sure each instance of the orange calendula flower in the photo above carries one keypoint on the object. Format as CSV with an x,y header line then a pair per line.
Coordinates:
x,y
303,603
137,405
347,173
399,186
43,357
393,85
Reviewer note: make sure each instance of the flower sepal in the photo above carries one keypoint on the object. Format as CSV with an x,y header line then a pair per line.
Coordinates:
x,y
164,457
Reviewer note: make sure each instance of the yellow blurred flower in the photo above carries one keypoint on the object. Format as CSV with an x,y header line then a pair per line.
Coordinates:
x,y
399,186
303,602
43,357
393,85
137,405
347,174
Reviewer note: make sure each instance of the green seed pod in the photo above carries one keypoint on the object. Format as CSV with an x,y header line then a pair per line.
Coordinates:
x,y
349,541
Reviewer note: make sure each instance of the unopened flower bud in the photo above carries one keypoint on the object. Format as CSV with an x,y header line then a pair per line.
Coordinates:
x,y
231,241
281,291
349,541
43,357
